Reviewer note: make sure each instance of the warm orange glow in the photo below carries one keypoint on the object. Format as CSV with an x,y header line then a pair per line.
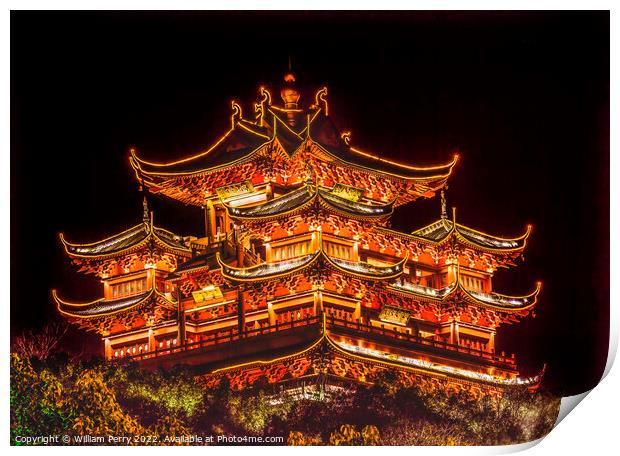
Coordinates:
x,y
295,228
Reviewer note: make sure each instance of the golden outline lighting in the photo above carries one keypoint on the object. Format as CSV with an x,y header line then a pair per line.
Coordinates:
x,y
296,272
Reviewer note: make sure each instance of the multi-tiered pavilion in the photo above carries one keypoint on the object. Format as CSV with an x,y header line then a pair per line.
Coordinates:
x,y
298,275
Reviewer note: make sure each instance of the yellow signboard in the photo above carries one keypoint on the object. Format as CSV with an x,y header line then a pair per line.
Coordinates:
x,y
228,191
347,192
207,293
395,315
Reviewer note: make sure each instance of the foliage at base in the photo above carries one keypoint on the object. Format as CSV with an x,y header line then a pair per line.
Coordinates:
x,y
58,396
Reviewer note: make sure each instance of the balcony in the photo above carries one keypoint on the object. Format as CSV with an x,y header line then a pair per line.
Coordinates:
x,y
250,342
295,331
405,340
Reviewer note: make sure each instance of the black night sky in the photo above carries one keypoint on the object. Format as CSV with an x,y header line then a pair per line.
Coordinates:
x,y
524,97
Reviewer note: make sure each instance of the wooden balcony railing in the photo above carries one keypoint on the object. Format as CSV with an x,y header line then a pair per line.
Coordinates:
x,y
333,323
359,327
224,337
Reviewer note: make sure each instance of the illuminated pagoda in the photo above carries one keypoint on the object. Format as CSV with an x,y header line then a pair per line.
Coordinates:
x,y
299,279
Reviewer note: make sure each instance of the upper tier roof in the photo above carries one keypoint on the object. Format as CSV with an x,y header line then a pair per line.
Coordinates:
x,y
236,145
291,129
326,135
130,239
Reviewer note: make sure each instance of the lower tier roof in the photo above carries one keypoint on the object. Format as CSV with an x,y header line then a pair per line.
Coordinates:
x,y
103,307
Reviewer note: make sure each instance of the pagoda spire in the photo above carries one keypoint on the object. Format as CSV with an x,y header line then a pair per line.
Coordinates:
x,y
289,93
145,204
145,210
309,174
444,211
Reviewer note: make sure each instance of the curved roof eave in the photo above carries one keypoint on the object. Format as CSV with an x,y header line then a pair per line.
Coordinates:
x,y
102,307
438,370
512,244
248,276
498,301
495,301
391,271
238,144
262,210
469,235
142,232
307,195
439,172
364,210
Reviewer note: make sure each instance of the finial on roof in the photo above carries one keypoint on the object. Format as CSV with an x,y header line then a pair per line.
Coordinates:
x,y
444,211
289,93
290,96
145,209
309,173
145,203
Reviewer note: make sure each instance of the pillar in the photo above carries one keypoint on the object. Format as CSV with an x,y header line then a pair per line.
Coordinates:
x,y
451,274
491,344
107,349
451,340
315,241
152,343
207,214
150,278
358,311
180,318
240,310
210,220
457,339
239,248
267,252
272,314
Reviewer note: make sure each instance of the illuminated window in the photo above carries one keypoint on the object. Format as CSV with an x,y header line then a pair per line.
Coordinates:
x,y
473,283
291,250
338,250
128,288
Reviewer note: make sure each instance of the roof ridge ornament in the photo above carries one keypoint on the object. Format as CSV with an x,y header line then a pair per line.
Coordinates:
x,y
320,100
260,108
236,115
